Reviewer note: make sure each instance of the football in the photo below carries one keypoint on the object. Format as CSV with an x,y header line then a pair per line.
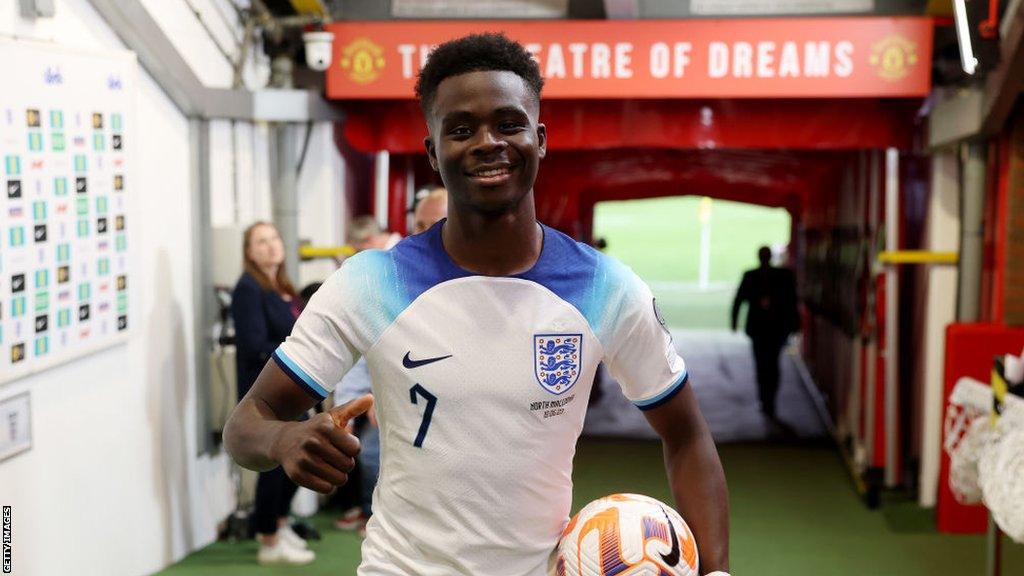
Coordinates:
x,y
626,535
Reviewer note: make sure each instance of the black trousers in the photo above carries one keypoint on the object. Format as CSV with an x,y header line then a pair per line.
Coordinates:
x,y
766,359
274,493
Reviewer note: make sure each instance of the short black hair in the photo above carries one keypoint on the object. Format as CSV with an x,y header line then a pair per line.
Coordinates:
x,y
475,53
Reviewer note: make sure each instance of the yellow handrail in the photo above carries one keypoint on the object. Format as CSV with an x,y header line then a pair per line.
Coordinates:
x,y
917,257
314,7
310,252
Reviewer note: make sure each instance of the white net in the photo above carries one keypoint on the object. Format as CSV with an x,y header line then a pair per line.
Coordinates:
x,y
970,435
986,462
1001,473
967,432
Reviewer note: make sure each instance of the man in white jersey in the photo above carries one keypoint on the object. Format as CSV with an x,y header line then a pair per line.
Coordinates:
x,y
482,336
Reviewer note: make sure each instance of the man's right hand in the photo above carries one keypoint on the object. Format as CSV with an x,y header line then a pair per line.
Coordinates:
x,y
319,453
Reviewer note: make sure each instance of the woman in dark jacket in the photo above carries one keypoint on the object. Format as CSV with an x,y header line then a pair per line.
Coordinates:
x,y
264,307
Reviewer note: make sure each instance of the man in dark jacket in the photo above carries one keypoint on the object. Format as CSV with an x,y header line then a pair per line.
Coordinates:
x,y
771,317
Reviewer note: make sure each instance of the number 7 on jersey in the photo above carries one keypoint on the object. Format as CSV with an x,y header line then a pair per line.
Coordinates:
x,y
428,412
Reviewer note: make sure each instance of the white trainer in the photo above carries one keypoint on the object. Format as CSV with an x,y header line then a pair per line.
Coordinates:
x,y
283,553
291,538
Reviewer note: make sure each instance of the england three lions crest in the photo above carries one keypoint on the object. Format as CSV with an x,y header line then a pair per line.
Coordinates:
x,y
557,360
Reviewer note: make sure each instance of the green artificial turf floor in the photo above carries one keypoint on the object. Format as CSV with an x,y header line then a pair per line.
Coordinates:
x,y
794,513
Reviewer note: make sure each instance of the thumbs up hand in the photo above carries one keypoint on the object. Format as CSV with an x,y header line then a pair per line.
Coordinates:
x,y
320,452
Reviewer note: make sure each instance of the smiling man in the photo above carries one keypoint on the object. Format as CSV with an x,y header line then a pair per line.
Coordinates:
x,y
482,335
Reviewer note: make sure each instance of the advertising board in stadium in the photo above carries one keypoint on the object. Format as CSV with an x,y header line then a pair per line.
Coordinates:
x,y
743,58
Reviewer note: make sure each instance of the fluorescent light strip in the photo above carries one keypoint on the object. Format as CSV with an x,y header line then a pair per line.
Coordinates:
x,y
963,36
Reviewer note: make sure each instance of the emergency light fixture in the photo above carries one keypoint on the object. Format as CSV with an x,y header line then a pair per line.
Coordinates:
x,y
963,37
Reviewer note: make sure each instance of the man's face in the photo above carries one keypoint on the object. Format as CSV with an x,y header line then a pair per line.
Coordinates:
x,y
485,140
428,212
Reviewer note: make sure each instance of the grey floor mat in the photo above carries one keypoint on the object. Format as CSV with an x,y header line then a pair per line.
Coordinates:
x,y
721,367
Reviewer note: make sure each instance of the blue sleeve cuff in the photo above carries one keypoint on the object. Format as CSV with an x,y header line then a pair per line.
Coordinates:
x,y
297,374
665,395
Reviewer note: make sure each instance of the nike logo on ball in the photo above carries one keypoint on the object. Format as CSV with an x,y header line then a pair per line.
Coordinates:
x,y
672,558
410,363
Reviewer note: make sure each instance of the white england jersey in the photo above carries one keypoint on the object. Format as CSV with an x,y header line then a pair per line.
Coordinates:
x,y
481,386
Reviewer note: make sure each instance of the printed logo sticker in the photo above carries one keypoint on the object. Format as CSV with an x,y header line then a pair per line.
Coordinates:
x,y
17,353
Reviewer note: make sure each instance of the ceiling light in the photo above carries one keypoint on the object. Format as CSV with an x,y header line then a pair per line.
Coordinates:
x,y
963,36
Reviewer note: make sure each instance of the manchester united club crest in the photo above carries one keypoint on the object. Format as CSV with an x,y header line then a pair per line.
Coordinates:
x,y
363,60
557,360
893,57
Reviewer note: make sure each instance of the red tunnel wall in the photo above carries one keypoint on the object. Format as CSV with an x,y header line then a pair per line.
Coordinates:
x,y
812,124
570,183
845,297
768,152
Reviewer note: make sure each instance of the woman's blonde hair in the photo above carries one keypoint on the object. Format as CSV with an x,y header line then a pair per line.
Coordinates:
x,y
279,284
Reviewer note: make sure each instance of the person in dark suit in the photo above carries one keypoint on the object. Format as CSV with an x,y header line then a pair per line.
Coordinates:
x,y
264,307
770,294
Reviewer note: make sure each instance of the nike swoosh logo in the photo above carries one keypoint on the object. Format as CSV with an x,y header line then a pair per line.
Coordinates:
x,y
410,363
672,558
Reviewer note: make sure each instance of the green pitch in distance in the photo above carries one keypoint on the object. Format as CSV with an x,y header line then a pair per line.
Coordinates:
x,y
660,239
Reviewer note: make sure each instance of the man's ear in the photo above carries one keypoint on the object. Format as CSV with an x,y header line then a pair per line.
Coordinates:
x,y
542,140
431,152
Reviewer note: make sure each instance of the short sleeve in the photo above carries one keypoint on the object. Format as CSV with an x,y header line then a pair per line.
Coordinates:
x,y
321,347
640,353
342,320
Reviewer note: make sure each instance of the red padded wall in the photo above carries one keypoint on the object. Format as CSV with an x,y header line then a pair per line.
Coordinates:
x,y
970,349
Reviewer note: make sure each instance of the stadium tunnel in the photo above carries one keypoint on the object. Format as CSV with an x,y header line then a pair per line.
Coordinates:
x,y
813,157
849,163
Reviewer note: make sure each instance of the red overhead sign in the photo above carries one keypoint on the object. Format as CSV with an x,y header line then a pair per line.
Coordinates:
x,y
749,58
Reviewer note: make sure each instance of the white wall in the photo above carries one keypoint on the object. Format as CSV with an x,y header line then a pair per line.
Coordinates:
x,y
240,182
199,45
242,196
942,235
112,485
321,201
